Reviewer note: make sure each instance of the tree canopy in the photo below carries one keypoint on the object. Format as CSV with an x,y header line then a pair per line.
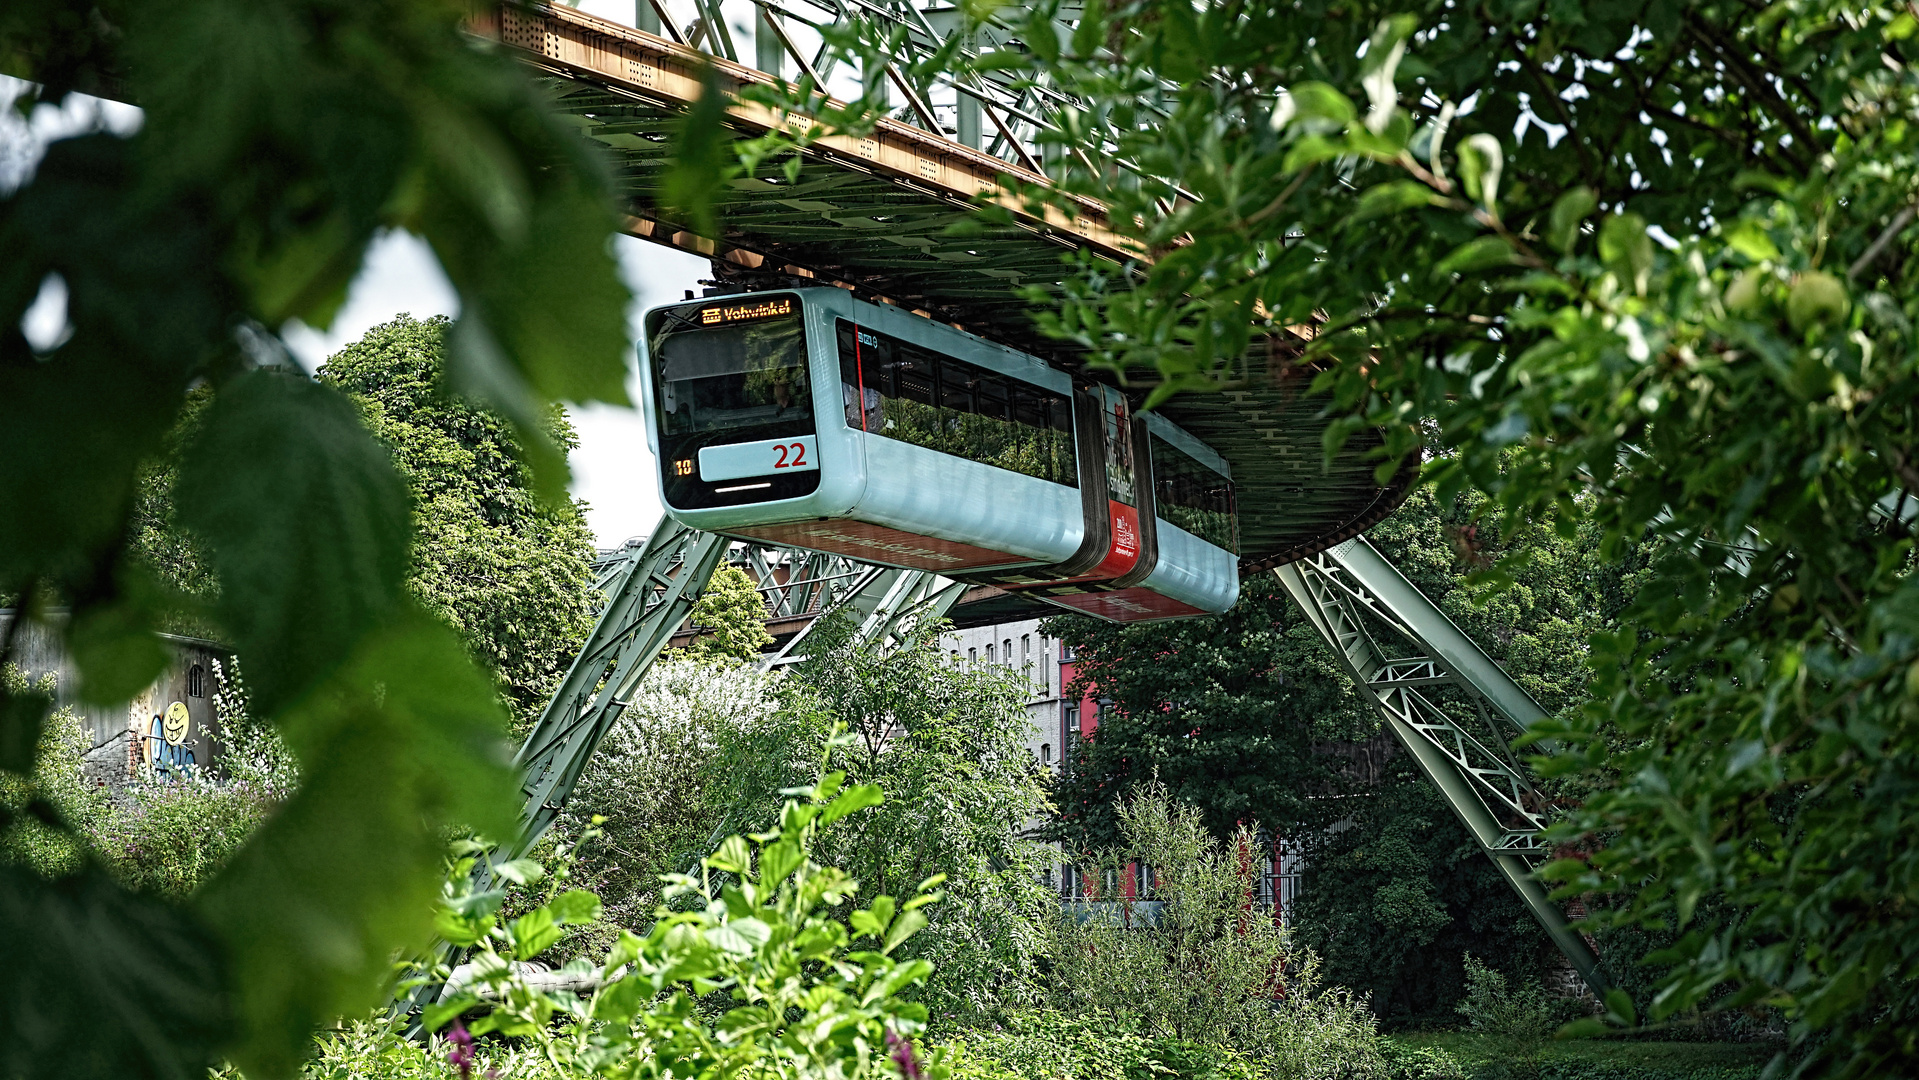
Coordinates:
x,y
1644,266
511,572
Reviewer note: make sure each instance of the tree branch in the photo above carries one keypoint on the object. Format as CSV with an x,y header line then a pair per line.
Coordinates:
x,y
1878,247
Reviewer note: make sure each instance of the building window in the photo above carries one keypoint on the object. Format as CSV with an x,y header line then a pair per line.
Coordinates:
x,y
972,656
1066,652
1045,667
1068,726
989,652
1006,651
1046,754
196,681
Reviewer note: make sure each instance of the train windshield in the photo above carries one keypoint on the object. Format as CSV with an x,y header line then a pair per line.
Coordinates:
x,y
1192,496
732,373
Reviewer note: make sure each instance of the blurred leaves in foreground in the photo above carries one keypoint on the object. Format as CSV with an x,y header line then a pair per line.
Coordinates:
x,y
277,139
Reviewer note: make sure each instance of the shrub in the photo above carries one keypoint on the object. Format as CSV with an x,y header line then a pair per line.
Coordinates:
x,y
1049,1045
1493,1006
673,776
168,837
759,978
1208,966
57,782
1405,1062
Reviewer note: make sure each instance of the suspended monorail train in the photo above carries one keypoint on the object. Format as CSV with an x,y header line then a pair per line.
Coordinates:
x,y
816,419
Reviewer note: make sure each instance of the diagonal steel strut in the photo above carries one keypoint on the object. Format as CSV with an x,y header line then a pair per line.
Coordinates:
x,y
1449,704
651,589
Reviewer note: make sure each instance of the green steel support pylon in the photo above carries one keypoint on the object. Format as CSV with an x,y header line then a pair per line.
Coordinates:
x,y
651,589
1449,704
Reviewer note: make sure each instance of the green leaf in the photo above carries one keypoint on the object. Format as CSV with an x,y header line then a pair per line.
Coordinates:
x,y
1320,101
734,857
574,906
98,982
777,861
908,924
401,746
1569,210
1481,161
460,929
521,871
1582,1029
699,166
533,933
306,522
1619,1008
855,798
1748,238
1482,253
1391,197
439,1015
1626,250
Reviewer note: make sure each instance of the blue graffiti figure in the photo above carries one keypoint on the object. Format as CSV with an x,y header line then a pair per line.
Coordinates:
x,y
166,750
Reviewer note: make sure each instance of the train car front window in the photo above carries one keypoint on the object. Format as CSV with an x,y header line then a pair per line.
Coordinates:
x,y
1194,497
748,378
728,373
901,391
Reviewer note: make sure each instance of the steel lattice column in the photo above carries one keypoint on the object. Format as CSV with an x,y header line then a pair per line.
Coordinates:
x,y
1448,703
651,589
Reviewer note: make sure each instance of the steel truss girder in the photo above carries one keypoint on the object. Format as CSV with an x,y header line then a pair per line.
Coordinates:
x,y
651,589
1449,704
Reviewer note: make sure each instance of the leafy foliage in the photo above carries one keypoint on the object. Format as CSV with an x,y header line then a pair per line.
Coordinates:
x,y
1068,1047
731,617
276,141
1644,266
701,752
948,744
1194,961
1463,1055
1246,717
513,574
761,932
1495,1007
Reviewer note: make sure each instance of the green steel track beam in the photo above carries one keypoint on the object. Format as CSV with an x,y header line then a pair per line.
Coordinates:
x,y
1450,706
651,589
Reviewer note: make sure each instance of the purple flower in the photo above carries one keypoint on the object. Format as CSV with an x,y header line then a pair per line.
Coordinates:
x,y
902,1053
461,1056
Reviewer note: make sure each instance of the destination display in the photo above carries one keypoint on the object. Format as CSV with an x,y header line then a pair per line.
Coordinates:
x,y
723,314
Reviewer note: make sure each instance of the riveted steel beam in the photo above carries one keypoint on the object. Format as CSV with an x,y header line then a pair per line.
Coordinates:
x,y
650,589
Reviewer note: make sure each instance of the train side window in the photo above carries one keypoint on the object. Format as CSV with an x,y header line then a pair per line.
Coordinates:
x,y
953,407
992,397
957,382
1194,497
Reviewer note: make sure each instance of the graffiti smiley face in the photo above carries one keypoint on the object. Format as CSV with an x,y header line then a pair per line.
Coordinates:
x,y
175,723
